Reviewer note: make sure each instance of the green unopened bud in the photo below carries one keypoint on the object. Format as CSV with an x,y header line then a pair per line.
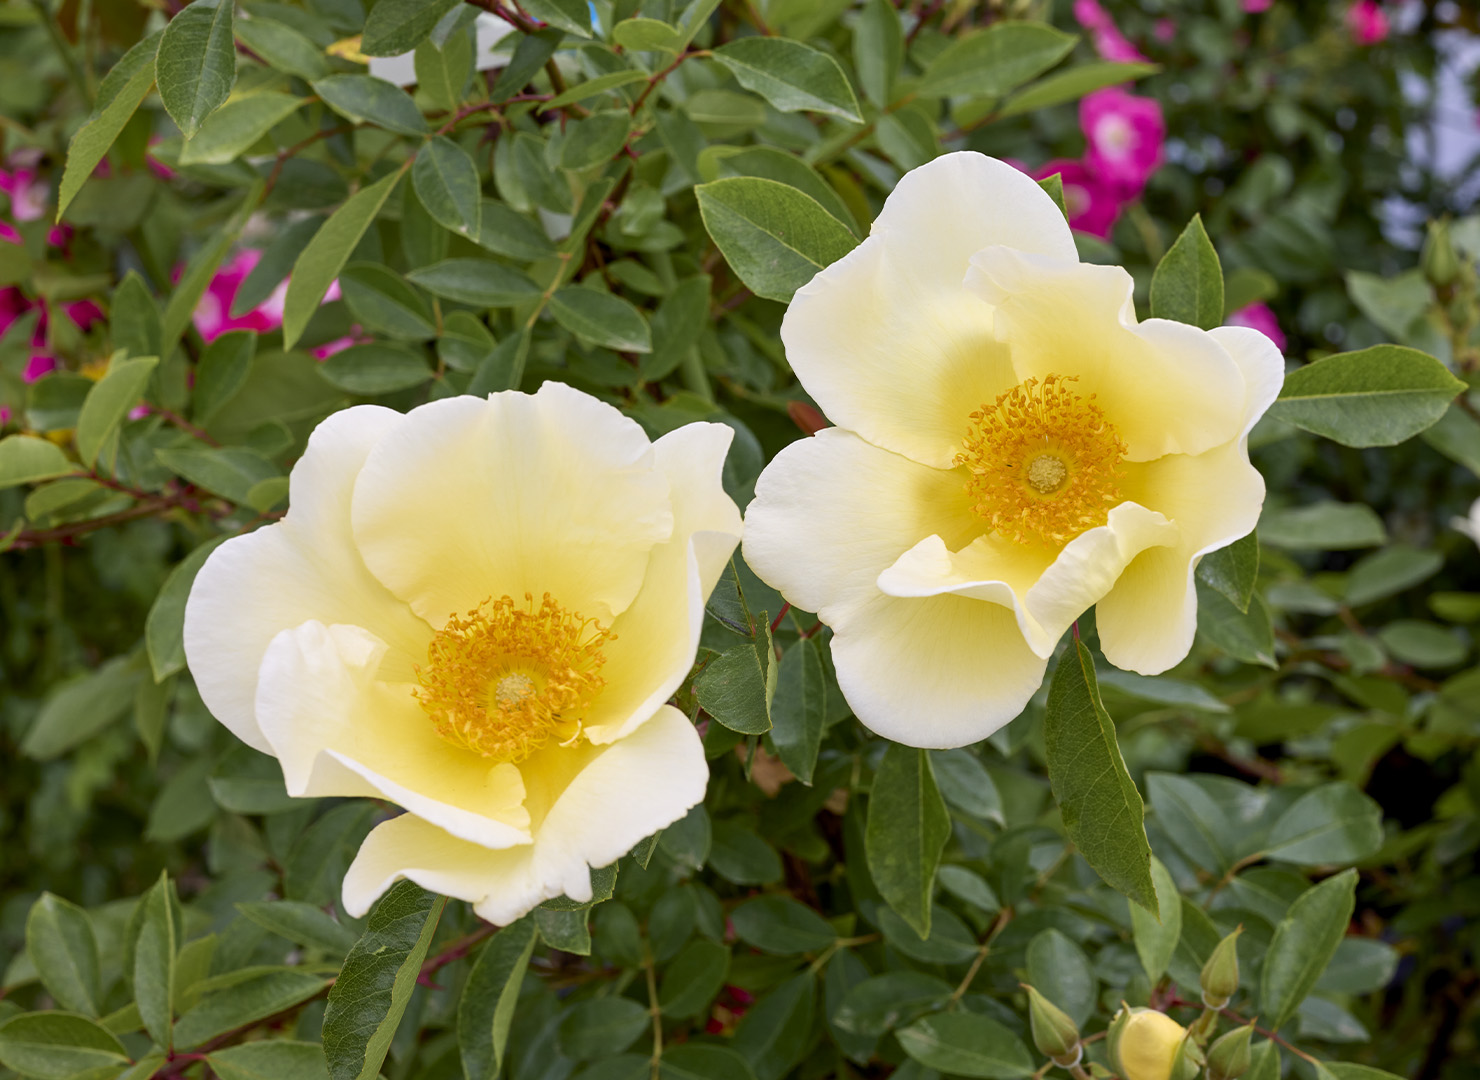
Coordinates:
x,y
1439,262
1054,1033
1220,974
1189,1059
1228,1058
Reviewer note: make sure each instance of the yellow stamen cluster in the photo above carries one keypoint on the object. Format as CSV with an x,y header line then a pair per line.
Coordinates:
x,y
1044,463
506,679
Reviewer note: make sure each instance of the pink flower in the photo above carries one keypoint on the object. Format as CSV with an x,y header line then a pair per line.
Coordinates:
x,y
213,316
27,194
1125,135
1366,22
8,233
1093,205
1108,41
1259,317
84,313
40,364
1254,7
1165,30
4,415
329,348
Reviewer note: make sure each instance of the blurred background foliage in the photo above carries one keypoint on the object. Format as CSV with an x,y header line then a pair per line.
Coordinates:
x,y
1331,720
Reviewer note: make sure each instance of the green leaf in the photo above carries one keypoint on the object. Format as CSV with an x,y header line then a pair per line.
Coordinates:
x,y
77,710
381,300
230,471
703,1061
445,73
446,182
530,55
799,709
793,77
486,1009
568,931
270,1059
376,369
881,1003
481,282
154,961
244,997
677,325
965,784
781,925
1156,938
1303,945
64,951
196,65
222,371
1334,823
602,318
595,140
1074,84
394,27
775,1031
737,854
572,16
236,126
58,1046
693,978
966,1044
135,321
303,924
164,629
907,830
593,1029
737,687
1188,283
109,401
601,84
878,50
1323,526
995,61
507,232
134,77
645,35
375,984
1246,636
364,99
1360,966
1388,572
1059,970
773,236
327,253
283,47
1193,820
1373,397
1101,807
25,459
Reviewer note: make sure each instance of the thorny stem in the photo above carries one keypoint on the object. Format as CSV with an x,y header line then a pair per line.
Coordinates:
x,y
654,80
455,951
650,974
184,425
1003,918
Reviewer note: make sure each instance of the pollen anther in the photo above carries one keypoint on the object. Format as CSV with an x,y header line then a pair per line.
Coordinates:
x,y
1043,462
506,680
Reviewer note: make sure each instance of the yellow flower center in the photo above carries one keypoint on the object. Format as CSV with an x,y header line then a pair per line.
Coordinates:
x,y
1044,463
506,680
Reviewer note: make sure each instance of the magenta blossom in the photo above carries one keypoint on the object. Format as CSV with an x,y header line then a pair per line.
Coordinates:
x,y
213,313
27,194
1108,41
1125,135
1367,22
1165,30
1254,7
1259,317
38,365
1093,205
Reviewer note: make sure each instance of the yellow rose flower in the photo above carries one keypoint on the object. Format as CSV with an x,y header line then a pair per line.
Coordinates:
x,y
477,610
1012,447
1147,1046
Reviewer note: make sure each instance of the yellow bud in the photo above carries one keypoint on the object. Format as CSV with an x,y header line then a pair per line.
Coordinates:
x,y
1148,1045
